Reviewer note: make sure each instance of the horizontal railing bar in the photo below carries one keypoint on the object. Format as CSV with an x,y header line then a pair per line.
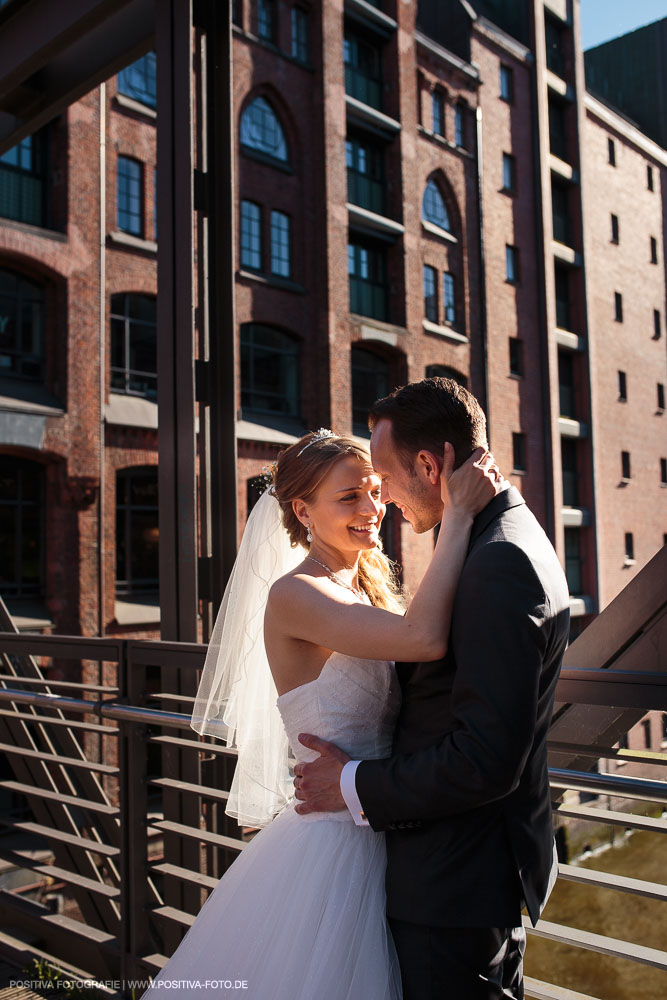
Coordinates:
x,y
165,696
155,961
61,874
609,753
68,800
105,709
613,688
610,676
88,765
171,913
215,748
167,826
68,647
145,716
537,990
186,786
606,880
19,905
609,817
17,679
160,653
90,727
185,875
51,833
598,943
614,784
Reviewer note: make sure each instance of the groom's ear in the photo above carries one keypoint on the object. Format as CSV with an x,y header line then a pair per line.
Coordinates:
x,y
429,466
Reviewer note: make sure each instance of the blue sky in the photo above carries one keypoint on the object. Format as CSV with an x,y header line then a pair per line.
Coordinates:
x,y
605,19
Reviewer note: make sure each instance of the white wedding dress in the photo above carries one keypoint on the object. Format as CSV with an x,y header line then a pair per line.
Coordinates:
x,y
300,915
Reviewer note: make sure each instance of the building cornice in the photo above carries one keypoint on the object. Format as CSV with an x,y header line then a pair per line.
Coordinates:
x,y
503,40
448,57
608,116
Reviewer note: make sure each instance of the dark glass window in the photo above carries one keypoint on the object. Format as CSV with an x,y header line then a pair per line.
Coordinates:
x,y
363,79
512,265
560,210
266,20
130,196
236,13
519,452
460,126
661,396
562,282
21,327
21,527
261,130
506,83
438,105
370,381
365,174
568,451
654,250
611,152
138,80
649,178
449,297
433,207
366,266
656,324
430,293
554,45
134,345
566,391
300,34
23,188
557,130
622,387
614,229
443,371
270,371
281,263
509,172
646,726
618,307
663,471
251,235
625,465
629,545
573,560
137,531
516,356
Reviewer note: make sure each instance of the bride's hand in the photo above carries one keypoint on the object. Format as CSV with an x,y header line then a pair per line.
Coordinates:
x,y
473,485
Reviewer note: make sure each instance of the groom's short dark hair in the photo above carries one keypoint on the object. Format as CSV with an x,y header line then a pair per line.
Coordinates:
x,y
426,414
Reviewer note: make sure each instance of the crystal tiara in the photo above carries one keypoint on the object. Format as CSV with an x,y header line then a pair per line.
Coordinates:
x,y
320,435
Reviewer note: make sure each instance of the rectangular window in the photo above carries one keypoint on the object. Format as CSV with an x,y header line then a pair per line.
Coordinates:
x,y
138,81
649,178
554,45
573,560
438,105
511,264
557,130
663,471
562,283
280,245
622,388
656,324
566,392
518,452
430,293
366,266
299,34
509,173
251,235
618,307
625,465
460,126
654,250
129,209
611,152
568,453
506,84
363,77
365,174
629,545
560,213
646,725
614,229
266,20
449,297
661,396
516,356
23,188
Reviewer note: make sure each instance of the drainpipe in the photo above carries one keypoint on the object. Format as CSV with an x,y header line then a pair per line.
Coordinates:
x,y
102,363
482,272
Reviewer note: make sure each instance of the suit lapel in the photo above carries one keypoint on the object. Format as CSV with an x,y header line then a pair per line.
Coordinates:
x,y
503,502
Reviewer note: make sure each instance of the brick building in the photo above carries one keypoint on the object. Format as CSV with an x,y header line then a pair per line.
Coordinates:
x,y
421,189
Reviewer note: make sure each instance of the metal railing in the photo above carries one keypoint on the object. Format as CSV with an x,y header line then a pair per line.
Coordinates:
x,y
118,806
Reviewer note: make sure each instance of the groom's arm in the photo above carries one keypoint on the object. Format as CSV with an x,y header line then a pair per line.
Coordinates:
x,y
500,633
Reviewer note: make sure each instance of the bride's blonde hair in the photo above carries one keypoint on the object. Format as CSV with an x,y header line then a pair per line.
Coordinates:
x,y
297,475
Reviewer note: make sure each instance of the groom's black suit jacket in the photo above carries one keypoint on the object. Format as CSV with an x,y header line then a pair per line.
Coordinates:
x,y
465,797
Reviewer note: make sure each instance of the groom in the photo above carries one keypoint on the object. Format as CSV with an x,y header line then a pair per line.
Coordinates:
x,y
464,799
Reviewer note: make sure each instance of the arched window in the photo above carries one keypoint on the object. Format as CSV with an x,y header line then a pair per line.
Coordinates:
x,y
137,531
134,345
21,327
21,527
370,381
433,207
443,371
261,130
270,371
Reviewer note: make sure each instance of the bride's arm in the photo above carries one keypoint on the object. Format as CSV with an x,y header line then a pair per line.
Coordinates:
x,y
314,609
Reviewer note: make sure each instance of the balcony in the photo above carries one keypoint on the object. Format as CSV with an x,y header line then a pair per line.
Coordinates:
x,y
114,810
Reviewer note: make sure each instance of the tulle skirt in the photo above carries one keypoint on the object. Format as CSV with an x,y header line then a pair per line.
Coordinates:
x,y
300,915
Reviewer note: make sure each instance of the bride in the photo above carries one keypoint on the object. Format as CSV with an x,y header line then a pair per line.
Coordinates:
x,y
301,913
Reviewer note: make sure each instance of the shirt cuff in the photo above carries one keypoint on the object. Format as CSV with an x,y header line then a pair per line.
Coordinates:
x,y
348,790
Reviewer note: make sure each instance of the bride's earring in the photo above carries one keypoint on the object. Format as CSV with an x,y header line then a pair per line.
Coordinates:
x,y
309,536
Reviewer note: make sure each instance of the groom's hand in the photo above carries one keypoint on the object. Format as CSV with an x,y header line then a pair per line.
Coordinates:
x,y
317,784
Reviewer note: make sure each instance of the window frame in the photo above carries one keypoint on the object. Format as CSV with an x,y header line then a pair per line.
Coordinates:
x,y
139,194
431,306
509,173
438,105
519,461
128,585
622,387
299,35
512,274
506,83
376,289
381,370
289,363
250,235
611,152
618,307
128,321
258,120
434,196
626,467
276,243
516,368
145,66
18,588
25,359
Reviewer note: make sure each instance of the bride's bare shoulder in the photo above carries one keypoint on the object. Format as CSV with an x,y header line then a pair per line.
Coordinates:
x,y
294,586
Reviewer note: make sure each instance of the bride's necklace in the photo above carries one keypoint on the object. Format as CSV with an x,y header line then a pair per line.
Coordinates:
x,y
337,579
